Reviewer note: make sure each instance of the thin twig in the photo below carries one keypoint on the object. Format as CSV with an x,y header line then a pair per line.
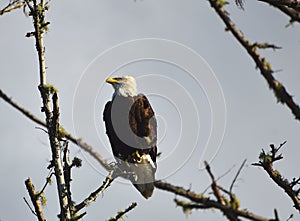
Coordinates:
x,y
93,196
11,6
29,206
229,214
48,180
219,178
27,113
236,176
214,185
123,212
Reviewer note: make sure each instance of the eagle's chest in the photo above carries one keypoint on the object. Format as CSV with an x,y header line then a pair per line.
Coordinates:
x,y
120,119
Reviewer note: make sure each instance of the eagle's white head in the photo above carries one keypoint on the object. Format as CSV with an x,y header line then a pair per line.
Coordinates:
x,y
124,86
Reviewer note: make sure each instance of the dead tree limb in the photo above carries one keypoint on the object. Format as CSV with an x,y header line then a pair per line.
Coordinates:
x,y
37,11
261,63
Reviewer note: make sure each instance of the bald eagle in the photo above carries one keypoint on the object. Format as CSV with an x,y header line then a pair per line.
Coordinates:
x,y
132,131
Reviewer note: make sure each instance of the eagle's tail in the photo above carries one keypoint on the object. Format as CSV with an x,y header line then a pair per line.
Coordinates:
x,y
143,176
145,189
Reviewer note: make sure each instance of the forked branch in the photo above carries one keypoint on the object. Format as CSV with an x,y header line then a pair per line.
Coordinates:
x,y
266,161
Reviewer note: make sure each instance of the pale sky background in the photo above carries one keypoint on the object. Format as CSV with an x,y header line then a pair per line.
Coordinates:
x,y
81,31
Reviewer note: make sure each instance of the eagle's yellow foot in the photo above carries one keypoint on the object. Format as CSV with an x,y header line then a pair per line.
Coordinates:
x,y
127,163
137,154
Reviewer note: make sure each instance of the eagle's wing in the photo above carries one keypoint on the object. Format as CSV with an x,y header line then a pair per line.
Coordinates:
x,y
143,123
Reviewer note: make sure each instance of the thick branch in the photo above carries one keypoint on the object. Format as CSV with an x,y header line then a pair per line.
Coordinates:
x,y
34,200
37,11
265,69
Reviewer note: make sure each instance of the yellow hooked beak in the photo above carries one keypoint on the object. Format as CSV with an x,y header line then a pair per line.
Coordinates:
x,y
111,80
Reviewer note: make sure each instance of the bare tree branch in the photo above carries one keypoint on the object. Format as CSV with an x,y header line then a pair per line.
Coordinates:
x,y
229,214
35,200
93,196
264,66
266,161
203,202
48,180
37,11
240,4
121,213
214,185
236,176
29,206
12,5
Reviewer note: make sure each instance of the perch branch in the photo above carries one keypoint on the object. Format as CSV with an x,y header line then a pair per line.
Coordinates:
x,y
204,202
265,69
198,198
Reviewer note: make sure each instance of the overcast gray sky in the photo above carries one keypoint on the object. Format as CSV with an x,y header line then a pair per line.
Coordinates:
x,y
199,80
